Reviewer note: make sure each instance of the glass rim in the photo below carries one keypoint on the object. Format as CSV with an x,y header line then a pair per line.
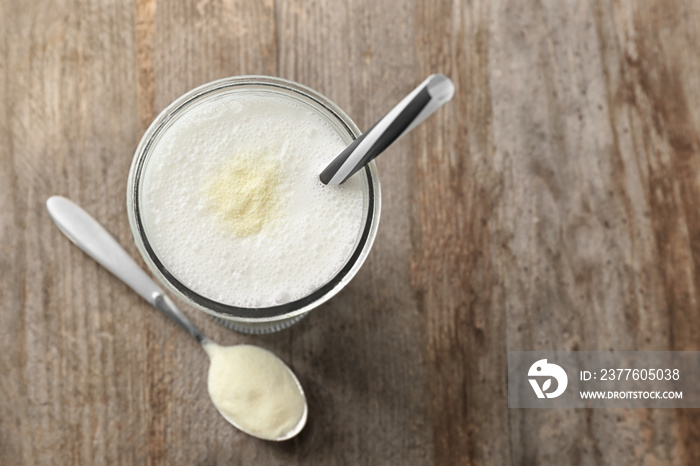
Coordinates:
x,y
225,311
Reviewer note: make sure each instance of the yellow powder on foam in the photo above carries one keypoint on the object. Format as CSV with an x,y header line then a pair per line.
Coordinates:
x,y
245,193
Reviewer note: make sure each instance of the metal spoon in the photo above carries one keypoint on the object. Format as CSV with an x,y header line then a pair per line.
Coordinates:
x,y
87,233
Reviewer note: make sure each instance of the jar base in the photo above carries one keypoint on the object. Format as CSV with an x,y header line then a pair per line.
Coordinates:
x,y
259,329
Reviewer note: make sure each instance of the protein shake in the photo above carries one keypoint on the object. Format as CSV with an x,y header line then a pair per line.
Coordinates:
x,y
231,204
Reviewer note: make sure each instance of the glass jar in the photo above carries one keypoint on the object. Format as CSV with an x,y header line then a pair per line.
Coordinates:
x,y
276,317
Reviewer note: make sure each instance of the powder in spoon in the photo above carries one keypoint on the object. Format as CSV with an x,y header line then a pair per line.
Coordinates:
x,y
254,389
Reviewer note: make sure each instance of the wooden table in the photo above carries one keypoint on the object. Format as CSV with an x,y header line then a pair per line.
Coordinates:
x,y
554,204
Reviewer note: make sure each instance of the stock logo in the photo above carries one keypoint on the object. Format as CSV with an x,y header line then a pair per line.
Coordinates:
x,y
543,370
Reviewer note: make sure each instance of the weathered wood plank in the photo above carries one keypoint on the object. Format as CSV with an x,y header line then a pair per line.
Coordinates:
x,y
454,269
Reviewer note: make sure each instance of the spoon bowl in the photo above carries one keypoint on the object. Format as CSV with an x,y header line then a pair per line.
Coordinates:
x,y
289,433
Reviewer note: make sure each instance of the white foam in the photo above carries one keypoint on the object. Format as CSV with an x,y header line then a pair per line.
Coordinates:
x,y
291,256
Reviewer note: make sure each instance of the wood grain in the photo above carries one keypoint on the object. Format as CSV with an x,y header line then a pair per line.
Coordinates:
x,y
554,204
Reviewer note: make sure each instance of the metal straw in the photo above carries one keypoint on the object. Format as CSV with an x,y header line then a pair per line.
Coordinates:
x,y
430,95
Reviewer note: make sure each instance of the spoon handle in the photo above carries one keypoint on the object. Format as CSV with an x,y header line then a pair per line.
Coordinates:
x,y
430,95
87,233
